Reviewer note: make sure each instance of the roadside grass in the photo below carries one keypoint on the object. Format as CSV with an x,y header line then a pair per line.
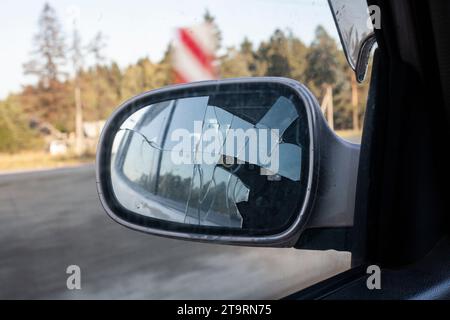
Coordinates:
x,y
348,134
37,160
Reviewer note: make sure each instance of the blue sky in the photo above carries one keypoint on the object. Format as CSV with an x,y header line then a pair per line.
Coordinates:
x,y
139,28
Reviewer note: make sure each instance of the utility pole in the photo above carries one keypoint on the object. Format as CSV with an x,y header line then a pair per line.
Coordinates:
x,y
79,135
355,103
77,59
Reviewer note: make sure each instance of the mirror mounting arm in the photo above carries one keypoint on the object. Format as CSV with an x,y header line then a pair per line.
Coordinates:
x,y
333,213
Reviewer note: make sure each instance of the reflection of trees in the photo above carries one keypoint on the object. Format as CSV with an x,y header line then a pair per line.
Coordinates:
x,y
144,181
208,196
173,187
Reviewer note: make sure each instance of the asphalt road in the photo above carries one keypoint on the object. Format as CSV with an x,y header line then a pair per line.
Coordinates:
x,y
50,220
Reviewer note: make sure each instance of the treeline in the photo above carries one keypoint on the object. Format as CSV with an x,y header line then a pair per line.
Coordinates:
x,y
59,65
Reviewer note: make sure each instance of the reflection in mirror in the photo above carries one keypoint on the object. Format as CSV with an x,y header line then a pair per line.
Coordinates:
x,y
229,161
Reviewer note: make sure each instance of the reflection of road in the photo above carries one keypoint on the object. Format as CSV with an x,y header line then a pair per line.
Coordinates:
x,y
50,220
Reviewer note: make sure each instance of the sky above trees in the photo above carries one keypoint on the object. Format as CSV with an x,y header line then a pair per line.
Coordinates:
x,y
71,70
143,28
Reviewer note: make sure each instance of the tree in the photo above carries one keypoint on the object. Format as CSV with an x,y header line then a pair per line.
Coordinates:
x,y
209,18
322,60
53,105
323,73
296,52
49,55
278,64
164,73
234,64
283,55
101,87
249,56
95,48
114,79
15,133
48,100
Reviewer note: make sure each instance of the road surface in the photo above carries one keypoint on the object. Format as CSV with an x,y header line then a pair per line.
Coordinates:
x,y
53,219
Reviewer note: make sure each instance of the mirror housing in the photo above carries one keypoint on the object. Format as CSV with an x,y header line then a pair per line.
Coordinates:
x,y
311,186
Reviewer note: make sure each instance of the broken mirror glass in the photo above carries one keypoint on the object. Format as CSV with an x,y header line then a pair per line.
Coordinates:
x,y
229,160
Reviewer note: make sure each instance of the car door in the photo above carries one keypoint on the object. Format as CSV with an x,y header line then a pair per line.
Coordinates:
x,y
182,197
400,206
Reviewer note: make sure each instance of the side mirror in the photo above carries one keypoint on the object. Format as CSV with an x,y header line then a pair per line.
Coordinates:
x,y
234,161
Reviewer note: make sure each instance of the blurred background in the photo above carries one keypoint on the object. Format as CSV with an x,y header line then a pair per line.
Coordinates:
x,y
67,65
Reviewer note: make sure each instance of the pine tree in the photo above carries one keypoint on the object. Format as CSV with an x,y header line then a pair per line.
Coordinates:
x,y
322,60
49,54
96,48
278,64
209,18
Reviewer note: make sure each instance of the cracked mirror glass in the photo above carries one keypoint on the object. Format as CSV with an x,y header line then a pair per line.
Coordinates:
x,y
230,162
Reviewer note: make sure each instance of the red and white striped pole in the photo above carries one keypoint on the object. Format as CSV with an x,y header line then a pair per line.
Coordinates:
x,y
194,54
